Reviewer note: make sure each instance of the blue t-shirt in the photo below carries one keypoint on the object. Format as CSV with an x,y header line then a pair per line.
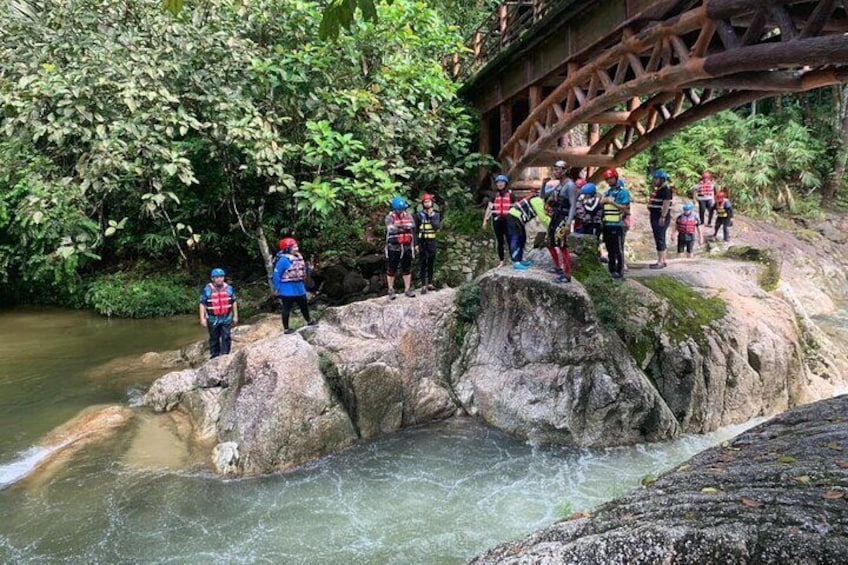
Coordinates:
x,y
621,197
206,295
286,288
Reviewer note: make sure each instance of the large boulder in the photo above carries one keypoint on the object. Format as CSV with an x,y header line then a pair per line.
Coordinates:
x,y
775,494
538,364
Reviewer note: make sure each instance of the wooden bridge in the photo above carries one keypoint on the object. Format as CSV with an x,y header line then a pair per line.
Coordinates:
x,y
594,82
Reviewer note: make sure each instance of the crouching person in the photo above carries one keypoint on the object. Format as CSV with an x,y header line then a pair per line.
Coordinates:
x,y
289,274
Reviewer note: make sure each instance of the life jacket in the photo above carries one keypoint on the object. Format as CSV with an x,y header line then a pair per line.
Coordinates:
x,y
403,227
654,202
589,210
220,302
706,190
612,214
425,227
686,224
523,210
501,204
721,210
296,272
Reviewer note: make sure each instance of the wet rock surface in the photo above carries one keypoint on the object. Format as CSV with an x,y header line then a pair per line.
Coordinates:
x,y
777,493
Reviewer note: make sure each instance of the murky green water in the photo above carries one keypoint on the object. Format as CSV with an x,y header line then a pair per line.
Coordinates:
x,y
438,494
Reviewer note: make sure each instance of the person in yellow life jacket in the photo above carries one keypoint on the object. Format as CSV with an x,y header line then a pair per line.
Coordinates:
x,y
427,223
218,312
400,246
704,193
688,227
519,214
498,211
724,215
290,272
616,203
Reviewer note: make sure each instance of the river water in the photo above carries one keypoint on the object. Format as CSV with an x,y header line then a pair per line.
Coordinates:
x,y
435,494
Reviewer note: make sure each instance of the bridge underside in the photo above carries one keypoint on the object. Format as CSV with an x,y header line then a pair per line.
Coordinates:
x,y
672,64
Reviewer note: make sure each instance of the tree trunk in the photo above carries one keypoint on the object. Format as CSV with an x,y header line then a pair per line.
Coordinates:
x,y
840,122
265,252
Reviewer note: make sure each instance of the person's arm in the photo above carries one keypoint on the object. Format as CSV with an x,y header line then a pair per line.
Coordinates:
x,y
487,213
729,207
572,202
666,204
202,313
283,265
235,310
436,220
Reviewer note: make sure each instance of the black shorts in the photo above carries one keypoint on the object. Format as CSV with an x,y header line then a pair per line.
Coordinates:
x,y
399,258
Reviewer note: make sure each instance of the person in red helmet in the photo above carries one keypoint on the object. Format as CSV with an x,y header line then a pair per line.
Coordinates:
x,y
427,223
289,275
704,193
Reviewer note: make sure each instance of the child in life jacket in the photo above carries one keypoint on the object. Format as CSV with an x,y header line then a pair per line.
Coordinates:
x,y
218,312
688,227
724,215
289,274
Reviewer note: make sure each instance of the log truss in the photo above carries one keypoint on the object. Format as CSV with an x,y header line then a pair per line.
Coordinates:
x,y
709,57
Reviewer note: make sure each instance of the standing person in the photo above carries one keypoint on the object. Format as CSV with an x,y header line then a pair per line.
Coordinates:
x,y
521,213
400,248
289,274
703,192
613,180
687,227
659,208
498,210
589,210
616,203
724,215
218,312
427,223
561,200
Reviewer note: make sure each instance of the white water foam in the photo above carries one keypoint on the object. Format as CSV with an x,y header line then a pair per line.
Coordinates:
x,y
27,461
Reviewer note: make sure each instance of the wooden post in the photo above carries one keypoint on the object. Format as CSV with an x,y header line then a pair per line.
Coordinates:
x,y
535,97
484,146
506,123
502,21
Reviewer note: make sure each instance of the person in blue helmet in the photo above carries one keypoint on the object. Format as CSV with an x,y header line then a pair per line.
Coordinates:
x,y
400,246
659,208
688,227
498,211
616,206
218,312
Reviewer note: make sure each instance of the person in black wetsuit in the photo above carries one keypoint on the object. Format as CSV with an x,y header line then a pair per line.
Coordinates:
x,y
659,207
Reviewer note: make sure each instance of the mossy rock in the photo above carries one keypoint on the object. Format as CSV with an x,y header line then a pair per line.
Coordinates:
x,y
771,260
689,311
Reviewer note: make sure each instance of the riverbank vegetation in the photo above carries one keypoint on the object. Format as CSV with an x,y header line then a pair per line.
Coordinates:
x,y
136,141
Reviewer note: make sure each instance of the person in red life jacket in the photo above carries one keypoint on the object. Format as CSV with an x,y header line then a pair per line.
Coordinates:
x,y
659,208
218,312
688,226
561,201
704,193
498,211
400,246
724,215
427,223
290,272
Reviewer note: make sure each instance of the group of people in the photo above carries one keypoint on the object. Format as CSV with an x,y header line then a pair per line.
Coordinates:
x,y
563,205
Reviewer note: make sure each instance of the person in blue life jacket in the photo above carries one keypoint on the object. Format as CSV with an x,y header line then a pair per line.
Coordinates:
x,y
218,312
290,272
400,246
616,205
659,210
688,227
427,223
498,211
519,214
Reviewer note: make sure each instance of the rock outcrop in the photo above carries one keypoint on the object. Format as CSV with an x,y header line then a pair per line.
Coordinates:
x,y
775,494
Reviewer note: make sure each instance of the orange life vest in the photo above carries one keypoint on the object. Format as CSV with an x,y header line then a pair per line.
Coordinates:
x,y
297,271
686,224
501,204
706,190
220,301
402,225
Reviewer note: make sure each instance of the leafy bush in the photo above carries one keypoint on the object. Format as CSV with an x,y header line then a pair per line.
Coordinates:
x,y
127,296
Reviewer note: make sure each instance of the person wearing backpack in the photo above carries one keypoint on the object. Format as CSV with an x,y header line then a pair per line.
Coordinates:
x,y
218,312
400,246
290,272
427,223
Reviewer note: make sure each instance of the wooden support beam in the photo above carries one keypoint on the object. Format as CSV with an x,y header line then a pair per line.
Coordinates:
x,y
814,51
680,48
755,28
784,22
704,38
505,122
611,118
545,158
727,34
724,9
766,81
818,18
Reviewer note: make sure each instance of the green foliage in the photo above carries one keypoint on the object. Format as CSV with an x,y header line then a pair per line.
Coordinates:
x,y
467,310
465,221
135,296
766,162
689,311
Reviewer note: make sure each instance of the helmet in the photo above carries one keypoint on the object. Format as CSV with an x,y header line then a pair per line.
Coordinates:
x,y
426,197
287,243
660,174
502,178
610,174
707,176
688,207
588,188
217,273
561,165
721,197
399,204
580,183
